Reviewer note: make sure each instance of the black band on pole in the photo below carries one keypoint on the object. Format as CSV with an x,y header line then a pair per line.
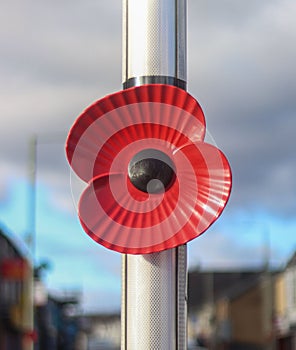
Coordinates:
x,y
154,79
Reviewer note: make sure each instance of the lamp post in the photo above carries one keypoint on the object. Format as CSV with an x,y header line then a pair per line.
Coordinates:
x,y
33,144
31,215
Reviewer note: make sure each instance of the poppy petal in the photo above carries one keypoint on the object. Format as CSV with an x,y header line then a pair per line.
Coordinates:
x,y
120,217
108,125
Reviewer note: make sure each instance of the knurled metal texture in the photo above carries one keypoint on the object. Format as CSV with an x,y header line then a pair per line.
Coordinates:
x,y
123,301
150,301
181,40
182,297
154,38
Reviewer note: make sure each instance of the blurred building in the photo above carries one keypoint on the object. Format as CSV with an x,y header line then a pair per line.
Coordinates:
x,y
16,331
103,331
231,310
285,307
56,320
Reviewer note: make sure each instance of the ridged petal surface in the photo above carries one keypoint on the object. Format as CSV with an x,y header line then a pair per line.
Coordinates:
x,y
149,111
117,215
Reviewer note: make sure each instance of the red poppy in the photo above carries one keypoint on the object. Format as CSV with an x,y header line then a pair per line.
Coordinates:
x,y
153,183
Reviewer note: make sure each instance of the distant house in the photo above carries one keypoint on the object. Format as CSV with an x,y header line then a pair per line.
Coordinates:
x,y
230,309
104,331
290,280
285,307
57,323
16,311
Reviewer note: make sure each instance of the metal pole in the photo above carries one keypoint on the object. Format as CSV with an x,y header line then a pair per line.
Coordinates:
x,y
154,286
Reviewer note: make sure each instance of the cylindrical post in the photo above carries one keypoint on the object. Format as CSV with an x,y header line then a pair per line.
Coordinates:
x,y
154,286
154,42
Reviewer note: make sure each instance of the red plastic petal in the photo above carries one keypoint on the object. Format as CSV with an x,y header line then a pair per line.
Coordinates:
x,y
120,217
149,111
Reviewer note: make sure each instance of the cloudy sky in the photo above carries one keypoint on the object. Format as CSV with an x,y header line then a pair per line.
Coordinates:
x,y
57,57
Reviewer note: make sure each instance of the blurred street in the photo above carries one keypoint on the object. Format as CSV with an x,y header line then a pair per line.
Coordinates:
x,y
230,309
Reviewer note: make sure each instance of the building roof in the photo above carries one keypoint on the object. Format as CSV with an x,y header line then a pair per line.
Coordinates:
x,y
208,286
18,244
292,261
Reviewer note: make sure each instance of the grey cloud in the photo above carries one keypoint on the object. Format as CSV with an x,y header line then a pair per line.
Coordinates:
x,y
241,68
240,64
59,56
215,249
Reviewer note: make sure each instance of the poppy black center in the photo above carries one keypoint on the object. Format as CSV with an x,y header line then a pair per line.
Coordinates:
x,y
151,171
